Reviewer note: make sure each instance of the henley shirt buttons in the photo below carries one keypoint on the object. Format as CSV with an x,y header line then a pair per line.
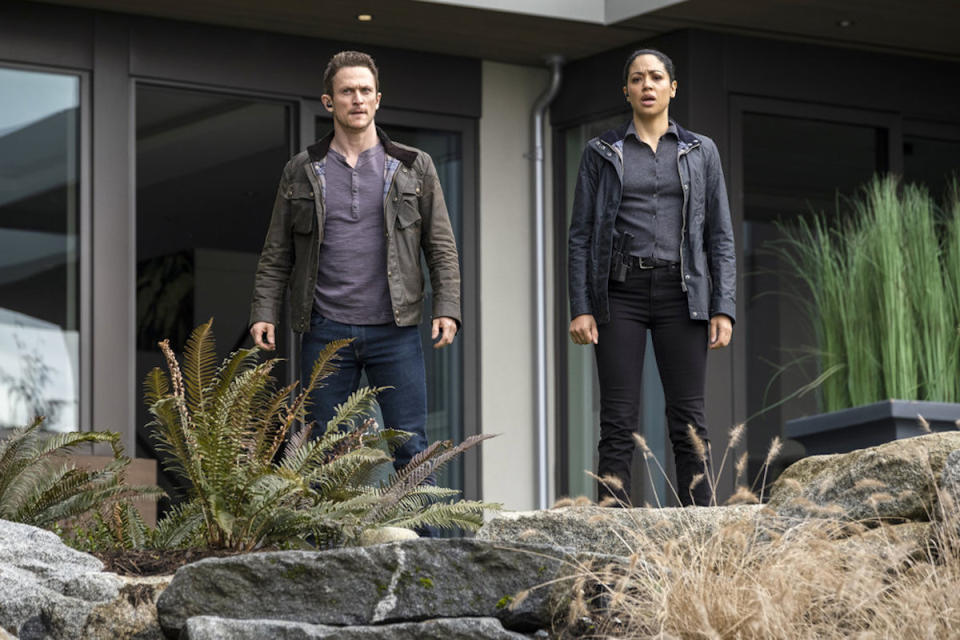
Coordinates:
x,y
687,277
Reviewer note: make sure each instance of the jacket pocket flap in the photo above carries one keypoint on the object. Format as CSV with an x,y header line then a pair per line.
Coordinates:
x,y
408,213
299,191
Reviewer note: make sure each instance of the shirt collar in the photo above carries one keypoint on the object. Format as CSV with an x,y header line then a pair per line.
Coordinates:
x,y
671,129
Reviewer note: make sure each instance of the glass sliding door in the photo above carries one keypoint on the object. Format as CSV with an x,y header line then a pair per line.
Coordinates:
x,y
792,166
39,248
444,367
207,170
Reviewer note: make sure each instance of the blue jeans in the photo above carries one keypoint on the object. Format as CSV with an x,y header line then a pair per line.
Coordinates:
x,y
391,356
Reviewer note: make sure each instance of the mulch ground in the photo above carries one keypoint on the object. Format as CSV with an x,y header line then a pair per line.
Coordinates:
x,y
136,563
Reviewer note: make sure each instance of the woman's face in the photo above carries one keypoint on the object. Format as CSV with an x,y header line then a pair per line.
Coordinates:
x,y
649,87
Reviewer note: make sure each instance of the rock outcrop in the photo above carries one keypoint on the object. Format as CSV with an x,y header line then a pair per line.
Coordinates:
x,y
893,482
384,584
611,531
208,628
48,590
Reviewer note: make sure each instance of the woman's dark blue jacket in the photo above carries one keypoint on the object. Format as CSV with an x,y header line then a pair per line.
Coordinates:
x,y
707,258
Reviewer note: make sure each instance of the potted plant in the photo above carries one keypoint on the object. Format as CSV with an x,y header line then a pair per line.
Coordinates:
x,y
882,287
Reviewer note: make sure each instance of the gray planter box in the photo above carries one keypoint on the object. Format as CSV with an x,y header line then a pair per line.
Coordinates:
x,y
870,425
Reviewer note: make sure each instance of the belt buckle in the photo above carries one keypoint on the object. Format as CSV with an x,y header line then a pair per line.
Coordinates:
x,y
642,265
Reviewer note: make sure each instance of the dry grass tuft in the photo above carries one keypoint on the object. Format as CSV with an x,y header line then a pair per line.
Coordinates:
x,y
811,582
743,495
865,484
824,578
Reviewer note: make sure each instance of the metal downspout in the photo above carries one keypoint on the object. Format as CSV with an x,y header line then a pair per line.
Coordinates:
x,y
539,109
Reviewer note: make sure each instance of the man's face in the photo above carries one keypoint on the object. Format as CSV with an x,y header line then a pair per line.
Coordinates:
x,y
355,99
649,88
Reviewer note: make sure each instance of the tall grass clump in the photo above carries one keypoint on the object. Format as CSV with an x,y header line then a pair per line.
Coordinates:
x,y
880,286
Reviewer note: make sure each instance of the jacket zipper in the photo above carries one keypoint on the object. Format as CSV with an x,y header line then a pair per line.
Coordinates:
x,y
619,175
683,214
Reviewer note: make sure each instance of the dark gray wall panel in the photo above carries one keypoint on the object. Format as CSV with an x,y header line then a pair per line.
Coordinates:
x,y
592,87
38,34
291,65
916,87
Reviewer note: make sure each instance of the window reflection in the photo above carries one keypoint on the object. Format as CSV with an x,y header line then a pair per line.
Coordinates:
x,y
791,167
39,197
208,165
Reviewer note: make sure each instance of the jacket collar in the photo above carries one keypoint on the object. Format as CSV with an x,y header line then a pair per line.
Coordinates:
x,y
613,136
318,150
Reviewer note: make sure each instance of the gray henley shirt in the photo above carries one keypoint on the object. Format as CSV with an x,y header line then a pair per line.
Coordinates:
x,y
352,285
652,201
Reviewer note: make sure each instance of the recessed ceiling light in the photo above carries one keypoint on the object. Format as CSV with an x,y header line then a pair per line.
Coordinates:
x,y
364,17
844,23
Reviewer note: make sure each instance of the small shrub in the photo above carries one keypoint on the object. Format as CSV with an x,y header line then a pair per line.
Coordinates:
x,y
258,479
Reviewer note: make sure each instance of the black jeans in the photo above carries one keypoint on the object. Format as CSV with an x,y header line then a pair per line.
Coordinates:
x,y
652,299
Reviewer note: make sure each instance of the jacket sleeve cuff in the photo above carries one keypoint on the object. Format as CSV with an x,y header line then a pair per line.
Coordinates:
x,y
261,314
726,307
578,308
448,309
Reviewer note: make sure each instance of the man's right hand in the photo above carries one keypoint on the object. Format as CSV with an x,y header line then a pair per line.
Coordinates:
x,y
583,329
262,333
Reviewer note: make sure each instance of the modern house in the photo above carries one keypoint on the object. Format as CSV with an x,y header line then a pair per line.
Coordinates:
x,y
141,144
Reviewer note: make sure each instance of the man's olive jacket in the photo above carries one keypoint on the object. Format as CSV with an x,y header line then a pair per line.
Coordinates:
x,y
707,258
414,216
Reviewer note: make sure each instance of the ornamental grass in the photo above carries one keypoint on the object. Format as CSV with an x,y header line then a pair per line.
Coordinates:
x,y
880,284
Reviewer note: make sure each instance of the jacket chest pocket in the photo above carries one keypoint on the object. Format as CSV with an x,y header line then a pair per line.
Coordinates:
x,y
303,209
408,213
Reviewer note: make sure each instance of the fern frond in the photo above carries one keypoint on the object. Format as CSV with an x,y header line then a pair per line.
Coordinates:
x,y
420,468
156,385
199,365
465,515
361,403
323,367
181,527
235,363
342,474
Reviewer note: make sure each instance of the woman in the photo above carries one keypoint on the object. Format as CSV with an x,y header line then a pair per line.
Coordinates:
x,y
651,247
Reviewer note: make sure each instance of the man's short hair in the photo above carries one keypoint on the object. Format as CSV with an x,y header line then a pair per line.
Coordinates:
x,y
348,59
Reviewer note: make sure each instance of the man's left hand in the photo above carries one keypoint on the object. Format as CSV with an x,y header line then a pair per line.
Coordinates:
x,y
721,329
445,329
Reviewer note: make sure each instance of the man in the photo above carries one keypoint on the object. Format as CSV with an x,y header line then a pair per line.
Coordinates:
x,y
352,214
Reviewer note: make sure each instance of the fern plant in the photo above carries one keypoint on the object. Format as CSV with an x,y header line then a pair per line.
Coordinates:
x,y
258,477
38,487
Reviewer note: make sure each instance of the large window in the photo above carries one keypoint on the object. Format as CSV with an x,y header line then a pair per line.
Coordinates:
x,y
39,248
207,168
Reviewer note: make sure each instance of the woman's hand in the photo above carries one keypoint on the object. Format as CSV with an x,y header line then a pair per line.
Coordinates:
x,y
721,329
583,329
